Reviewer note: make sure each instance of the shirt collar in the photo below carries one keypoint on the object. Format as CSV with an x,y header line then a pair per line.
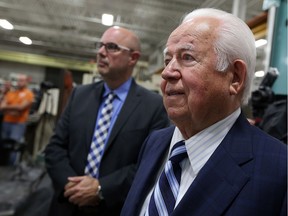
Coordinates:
x,y
206,141
121,91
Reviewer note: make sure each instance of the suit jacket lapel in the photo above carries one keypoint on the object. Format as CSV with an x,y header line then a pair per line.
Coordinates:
x,y
148,170
221,178
130,104
92,112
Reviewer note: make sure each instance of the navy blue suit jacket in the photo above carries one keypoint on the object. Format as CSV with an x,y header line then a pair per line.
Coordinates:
x,y
246,175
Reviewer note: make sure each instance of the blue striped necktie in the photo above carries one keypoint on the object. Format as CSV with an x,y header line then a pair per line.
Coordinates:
x,y
164,196
100,135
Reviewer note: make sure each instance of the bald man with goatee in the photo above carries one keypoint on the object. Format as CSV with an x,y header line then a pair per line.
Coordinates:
x,y
93,177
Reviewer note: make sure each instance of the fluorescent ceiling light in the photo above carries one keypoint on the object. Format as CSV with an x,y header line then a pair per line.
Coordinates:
x,y
260,42
107,19
259,73
6,24
25,40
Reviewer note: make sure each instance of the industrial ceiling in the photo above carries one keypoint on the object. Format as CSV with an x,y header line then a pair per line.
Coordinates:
x,y
70,28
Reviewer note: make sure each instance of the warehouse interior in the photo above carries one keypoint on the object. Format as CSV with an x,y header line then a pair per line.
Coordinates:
x,y
61,46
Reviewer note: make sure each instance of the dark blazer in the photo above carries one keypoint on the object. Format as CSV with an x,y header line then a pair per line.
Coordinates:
x,y
245,176
66,154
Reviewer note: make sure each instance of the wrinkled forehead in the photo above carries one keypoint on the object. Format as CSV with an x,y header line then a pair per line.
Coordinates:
x,y
201,29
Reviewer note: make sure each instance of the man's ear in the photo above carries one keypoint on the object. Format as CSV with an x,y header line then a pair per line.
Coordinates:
x,y
239,76
135,55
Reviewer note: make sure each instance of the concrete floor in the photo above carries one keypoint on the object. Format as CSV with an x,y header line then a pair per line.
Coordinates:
x,y
25,190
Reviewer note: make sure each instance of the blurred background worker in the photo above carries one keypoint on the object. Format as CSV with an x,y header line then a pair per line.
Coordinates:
x,y
5,89
15,107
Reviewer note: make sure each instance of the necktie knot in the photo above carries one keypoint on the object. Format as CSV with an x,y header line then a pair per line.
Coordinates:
x,y
110,98
178,152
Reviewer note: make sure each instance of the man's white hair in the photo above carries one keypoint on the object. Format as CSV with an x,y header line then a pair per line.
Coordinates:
x,y
234,41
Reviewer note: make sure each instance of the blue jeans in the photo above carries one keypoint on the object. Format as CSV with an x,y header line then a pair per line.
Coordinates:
x,y
14,131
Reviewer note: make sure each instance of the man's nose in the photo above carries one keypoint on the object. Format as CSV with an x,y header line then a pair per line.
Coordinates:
x,y
172,70
102,50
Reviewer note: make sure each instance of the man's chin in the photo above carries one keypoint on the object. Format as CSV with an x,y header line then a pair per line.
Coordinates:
x,y
101,70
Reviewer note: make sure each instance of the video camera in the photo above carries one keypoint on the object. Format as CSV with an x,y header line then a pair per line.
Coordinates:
x,y
264,95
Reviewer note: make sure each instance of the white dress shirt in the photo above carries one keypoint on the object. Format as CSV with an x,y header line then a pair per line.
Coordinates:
x,y
199,147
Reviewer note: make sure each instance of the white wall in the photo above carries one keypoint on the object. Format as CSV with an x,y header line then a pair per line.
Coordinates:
x,y
36,72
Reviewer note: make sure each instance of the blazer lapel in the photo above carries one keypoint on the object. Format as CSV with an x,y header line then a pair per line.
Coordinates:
x,y
221,178
130,104
92,112
149,166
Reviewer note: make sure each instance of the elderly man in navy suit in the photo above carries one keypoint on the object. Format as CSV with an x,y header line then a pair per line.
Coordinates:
x,y
224,166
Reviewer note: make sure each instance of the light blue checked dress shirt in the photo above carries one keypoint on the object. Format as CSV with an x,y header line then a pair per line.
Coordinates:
x,y
118,102
121,94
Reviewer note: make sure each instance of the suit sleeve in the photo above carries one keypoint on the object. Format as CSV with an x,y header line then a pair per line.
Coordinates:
x,y
284,206
56,152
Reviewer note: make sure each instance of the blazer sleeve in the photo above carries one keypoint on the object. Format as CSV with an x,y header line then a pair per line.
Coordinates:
x,y
56,152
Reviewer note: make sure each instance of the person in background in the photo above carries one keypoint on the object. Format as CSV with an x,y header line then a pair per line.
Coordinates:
x,y
216,162
5,88
92,173
15,107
